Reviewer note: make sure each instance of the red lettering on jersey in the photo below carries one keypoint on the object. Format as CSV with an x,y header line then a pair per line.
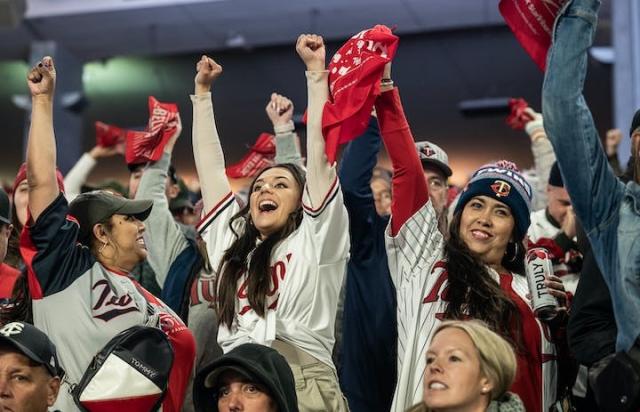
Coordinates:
x,y
435,290
278,273
107,299
170,324
203,289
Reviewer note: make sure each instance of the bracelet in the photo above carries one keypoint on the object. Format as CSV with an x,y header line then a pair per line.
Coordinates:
x,y
386,81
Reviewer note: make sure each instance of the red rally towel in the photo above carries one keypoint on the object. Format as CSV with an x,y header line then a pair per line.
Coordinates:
x,y
532,23
354,82
147,146
518,117
108,135
260,155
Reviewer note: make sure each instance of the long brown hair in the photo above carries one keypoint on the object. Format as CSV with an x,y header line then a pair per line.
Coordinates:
x,y
472,292
234,261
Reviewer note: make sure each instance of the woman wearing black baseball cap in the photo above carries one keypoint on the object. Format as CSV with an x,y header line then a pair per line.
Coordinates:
x,y
78,257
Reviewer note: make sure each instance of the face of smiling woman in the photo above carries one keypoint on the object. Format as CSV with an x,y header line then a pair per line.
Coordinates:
x,y
275,195
453,379
486,227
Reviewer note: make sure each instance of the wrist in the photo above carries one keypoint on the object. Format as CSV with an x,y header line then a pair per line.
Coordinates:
x,y
95,152
315,66
202,88
280,127
43,99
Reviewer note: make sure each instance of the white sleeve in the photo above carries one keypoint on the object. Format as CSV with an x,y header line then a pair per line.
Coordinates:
x,y
215,231
328,225
416,247
77,176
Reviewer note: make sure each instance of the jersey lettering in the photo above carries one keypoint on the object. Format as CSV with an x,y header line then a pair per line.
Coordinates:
x,y
108,305
203,289
278,273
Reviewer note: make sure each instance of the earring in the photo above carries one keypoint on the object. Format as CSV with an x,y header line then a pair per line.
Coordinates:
x,y
513,256
484,390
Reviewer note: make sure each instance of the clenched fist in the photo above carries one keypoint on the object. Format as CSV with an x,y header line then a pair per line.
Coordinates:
x,y
310,48
208,70
42,79
279,109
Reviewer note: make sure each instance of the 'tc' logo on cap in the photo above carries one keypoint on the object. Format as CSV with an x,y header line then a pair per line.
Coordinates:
x,y
501,188
13,328
427,151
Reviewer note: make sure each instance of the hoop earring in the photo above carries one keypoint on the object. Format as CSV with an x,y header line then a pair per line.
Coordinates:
x,y
515,247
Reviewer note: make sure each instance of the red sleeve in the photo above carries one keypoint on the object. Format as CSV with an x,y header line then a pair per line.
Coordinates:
x,y
410,190
8,277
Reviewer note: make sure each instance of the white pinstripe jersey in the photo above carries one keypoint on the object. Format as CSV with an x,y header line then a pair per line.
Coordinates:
x,y
417,267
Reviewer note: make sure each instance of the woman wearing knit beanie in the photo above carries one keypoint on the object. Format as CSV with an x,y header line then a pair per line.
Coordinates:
x,y
477,272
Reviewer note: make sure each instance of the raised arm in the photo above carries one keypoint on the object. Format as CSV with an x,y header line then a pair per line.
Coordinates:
x,y
79,173
594,189
41,148
163,235
280,112
543,156
207,150
320,174
410,190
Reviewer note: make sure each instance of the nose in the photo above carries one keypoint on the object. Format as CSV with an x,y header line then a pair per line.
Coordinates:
x,y
140,226
484,217
5,389
434,367
266,187
234,401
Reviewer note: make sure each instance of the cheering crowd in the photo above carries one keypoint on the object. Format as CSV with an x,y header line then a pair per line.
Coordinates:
x,y
329,283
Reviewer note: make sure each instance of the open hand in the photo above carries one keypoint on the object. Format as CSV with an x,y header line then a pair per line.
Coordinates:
x,y
208,70
310,48
42,79
279,109
101,151
569,223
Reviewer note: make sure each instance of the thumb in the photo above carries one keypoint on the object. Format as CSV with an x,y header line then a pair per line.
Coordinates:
x,y
48,66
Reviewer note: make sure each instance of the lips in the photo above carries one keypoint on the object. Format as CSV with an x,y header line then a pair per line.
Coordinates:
x,y
267,205
437,386
140,241
481,235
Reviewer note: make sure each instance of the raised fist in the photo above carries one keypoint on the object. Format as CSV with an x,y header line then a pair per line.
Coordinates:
x,y
614,137
310,48
42,78
208,70
279,109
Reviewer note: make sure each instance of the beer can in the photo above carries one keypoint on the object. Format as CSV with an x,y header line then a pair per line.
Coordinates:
x,y
539,268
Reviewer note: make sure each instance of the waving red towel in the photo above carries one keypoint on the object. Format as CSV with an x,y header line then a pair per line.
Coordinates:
x,y
354,82
260,155
147,146
108,135
532,23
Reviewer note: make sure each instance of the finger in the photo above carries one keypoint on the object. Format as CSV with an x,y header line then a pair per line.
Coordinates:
x,y
554,285
561,296
554,278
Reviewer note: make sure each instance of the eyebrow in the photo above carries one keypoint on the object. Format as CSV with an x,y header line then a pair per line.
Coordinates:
x,y
276,177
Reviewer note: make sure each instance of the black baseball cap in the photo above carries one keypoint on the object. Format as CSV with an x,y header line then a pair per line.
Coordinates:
x,y
94,207
258,364
32,343
5,208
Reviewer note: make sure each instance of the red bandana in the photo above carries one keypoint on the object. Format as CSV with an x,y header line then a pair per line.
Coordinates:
x,y
532,22
354,82
518,117
147,146
260,155
108,135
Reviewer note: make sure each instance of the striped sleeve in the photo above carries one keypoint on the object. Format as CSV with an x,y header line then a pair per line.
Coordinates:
x,y
214,228
416,246
327,225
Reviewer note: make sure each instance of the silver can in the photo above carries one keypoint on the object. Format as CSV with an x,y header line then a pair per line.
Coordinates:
x,y
539,268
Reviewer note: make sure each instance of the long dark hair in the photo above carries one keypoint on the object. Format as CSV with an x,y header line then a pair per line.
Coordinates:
x,y
472,292
13,257
234,261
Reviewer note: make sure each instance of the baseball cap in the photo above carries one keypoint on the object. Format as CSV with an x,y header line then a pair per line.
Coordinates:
x,y
96,206
555,178
32,343
258,364
431,153
5,207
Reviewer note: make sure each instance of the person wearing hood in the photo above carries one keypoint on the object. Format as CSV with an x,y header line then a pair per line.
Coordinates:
x,y
251,378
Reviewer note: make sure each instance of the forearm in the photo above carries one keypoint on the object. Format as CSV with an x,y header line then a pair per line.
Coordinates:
x,y
152,183
593,188
320,175
207,152
358,160
41,157
543,159
410,190
287,148
78,175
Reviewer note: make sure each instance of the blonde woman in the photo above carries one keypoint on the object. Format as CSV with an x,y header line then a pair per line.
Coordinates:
x,y
469,369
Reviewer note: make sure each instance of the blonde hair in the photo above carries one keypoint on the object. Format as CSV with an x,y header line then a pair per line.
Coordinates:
x,y
497,358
